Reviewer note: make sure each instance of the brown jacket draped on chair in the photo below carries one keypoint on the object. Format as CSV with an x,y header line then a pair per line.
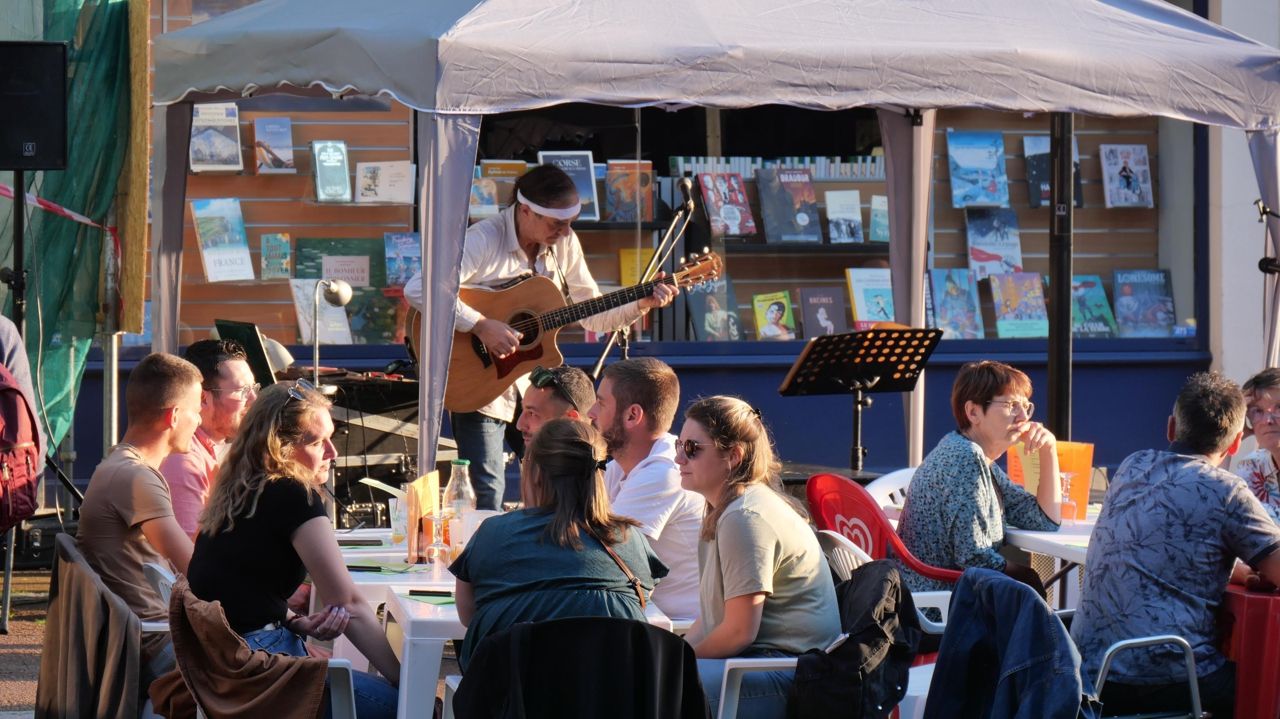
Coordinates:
x,y
89,666
227,677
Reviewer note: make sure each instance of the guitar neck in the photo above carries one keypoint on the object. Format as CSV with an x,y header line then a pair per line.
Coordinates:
x,y
596,305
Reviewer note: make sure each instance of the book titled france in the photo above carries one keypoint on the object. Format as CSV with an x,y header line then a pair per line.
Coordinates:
x,y
333,177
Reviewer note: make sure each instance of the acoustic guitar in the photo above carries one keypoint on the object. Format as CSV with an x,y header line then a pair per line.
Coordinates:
x,y
536,308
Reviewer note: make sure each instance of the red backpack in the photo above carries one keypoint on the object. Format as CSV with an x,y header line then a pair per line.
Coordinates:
x,y
20,461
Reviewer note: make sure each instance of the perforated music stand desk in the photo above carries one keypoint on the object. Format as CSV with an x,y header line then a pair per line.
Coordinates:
x,y
881,359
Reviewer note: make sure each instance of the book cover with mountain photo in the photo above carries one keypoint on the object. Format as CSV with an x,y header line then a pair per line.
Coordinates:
x,y
976,162
215,138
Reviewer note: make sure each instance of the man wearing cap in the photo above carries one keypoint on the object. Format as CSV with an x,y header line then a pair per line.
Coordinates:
x,y
532,236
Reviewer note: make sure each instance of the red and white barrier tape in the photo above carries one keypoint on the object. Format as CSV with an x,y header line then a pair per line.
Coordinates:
x,y
59,210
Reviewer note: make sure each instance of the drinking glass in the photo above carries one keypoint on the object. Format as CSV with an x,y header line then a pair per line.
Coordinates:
x,y
1068,505
438,549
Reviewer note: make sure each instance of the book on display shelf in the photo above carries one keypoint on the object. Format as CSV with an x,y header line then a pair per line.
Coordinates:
x,y
577,164
955,304
273,145
930,314
503,169
331,170
871,295
1126,176
632,261
220,235
788,205
1018,298
976,162
629,186
215,138
1090,312
404,256
774,319
484,198
362,262
879,218
844,216
824,311
713,311
724,197
277,256
995,246
385,182
1143,303
334,327
1035,148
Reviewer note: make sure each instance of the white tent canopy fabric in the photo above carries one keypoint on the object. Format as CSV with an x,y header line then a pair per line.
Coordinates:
x,y
457,60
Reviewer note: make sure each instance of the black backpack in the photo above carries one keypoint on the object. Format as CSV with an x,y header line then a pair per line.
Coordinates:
x,y
20,461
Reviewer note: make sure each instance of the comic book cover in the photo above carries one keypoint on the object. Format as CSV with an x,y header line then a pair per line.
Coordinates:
x,y
824,310
725,199
1090,311
978,177
995,246
774,320
1143,303
628,195
713,311
871,295
788,204
1126,176
1019,305
955,304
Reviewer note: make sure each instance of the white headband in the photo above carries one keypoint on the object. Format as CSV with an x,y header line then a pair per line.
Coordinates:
x,y
567,213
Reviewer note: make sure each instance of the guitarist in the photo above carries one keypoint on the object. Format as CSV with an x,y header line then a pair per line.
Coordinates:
x,y
533,235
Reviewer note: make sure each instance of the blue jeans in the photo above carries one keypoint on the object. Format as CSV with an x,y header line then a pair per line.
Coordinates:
x,y
375,698
479,439
763,695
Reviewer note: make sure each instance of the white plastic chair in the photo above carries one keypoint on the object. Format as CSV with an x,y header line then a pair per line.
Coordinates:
x,y
890,490
161,580
844,556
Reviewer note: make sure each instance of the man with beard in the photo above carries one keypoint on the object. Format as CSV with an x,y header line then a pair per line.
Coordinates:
x,y
634,408
127,516
227,391
554,393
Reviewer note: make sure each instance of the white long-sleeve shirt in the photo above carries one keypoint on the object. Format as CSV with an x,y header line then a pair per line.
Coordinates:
x,y
492,257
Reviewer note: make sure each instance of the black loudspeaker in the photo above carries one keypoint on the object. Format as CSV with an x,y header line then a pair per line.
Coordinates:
x,y
33,106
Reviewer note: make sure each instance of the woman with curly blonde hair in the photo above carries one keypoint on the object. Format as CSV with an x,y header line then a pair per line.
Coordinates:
x,y
265,529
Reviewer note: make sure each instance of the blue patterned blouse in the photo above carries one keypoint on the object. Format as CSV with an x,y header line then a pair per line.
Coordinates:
x,y
957,505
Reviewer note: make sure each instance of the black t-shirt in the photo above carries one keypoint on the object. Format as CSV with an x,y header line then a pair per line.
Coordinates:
x,y
253,569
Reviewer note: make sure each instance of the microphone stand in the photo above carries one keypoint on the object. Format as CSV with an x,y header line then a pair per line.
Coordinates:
x,y
682,217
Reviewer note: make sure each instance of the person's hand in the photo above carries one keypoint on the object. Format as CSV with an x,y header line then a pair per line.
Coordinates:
x,y
497,337
325,624
662,296
1037,437
300,600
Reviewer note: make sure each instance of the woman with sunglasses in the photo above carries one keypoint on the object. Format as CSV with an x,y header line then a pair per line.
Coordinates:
x,y
960,500
1262,422
765,588
564,555
265,529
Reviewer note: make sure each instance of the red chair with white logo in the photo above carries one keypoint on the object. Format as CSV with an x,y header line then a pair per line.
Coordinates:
x,y
841,505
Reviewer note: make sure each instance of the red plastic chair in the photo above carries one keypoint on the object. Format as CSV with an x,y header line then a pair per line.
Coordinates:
x,y
843,506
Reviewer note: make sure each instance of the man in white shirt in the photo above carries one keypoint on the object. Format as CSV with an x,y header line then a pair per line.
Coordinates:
x,y
532,236
635,405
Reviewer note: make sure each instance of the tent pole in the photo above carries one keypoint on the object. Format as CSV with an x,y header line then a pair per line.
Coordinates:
x,y
1062,200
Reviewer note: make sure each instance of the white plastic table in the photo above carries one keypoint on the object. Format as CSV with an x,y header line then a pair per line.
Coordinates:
x,y
1068,545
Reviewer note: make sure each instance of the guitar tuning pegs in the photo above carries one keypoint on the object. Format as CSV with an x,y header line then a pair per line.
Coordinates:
x,y
706,250
682,260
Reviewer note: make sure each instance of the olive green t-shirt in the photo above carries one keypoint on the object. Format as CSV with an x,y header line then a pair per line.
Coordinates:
x,y
763,545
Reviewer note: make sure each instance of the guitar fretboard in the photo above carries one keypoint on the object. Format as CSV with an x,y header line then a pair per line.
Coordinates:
x,y
596,305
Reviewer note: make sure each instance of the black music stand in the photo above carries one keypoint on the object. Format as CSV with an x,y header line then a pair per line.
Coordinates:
x,y
874,360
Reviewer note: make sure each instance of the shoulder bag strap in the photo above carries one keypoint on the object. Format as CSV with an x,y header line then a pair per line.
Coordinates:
x,y
631,577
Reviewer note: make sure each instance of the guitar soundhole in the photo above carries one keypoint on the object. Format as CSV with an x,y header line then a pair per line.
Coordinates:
x,y
527,324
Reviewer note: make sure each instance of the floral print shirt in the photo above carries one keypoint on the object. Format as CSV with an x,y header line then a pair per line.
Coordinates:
x,y
1160,556
958,504
1258,470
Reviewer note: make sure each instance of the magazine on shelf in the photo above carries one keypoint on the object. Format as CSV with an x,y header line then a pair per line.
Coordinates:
x,y
713,311
385,182
824,310
879,218
725,199
774,320
277,256
844,216
220,235
976,162
1018,298
404,256
484,198
1126,176
215,138
1040,170
578,165
628,196
871,294
330,168
334,327
788,205
1090,312
1143,303
956,310
995,245
273,145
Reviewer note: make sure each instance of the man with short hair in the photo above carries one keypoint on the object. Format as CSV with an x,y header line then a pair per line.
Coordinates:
x,y
554,393
1172,526
227,391
635,406
127,516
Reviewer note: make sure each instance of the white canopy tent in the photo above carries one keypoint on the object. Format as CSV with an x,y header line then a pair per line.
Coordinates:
x,y
454,61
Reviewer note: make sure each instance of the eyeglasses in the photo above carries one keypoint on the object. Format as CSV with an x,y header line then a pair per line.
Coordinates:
x,y
1258,415
1013,405
689,447
241,392
541,377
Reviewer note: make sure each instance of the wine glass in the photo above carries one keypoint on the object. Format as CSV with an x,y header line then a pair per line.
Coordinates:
x,y
438,549
1068,505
